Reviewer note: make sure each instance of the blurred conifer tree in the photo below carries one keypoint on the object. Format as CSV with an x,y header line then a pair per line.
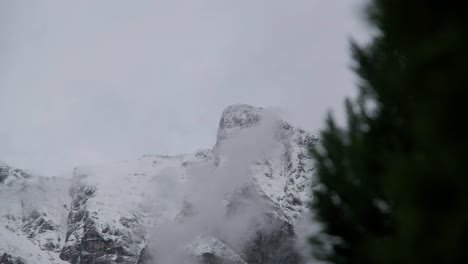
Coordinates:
x,y
393,182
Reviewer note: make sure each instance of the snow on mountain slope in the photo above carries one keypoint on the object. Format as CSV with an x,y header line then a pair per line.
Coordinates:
x,y
114,204
118,213
33,213
284,178
210,249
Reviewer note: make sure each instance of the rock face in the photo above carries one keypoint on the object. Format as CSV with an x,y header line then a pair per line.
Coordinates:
x,y
33,212
9,173
8,259
105,213
235,118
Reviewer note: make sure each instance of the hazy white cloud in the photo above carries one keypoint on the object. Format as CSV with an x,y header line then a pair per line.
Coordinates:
x,y
209,188
95,81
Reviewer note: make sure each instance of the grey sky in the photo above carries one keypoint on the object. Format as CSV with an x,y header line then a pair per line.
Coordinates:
x,y
97,81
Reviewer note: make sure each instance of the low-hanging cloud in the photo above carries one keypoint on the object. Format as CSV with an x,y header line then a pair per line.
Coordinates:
x,y
210,194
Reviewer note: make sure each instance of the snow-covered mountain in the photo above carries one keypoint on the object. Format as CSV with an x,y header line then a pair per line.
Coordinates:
x,y
33,216
235,203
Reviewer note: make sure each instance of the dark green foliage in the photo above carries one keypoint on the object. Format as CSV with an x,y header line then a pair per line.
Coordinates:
x,y
394,185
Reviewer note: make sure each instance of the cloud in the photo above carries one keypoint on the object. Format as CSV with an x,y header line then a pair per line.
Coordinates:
x,y
214,202
98,81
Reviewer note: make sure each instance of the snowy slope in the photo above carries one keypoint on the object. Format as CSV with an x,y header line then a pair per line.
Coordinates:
x,y
33,213
114,204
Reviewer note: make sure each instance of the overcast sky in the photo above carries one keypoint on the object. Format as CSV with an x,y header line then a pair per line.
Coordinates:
x,y
98,81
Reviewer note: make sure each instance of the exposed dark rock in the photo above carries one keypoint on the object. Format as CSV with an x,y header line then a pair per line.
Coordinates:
x,y
273,246
9,259
3,175
92,242
86,243
7,171
129,222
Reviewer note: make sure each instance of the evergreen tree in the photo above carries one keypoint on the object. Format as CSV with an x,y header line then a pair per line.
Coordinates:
x,y
393,183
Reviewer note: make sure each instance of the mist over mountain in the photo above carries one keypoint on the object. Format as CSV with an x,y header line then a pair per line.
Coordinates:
x,y
241,201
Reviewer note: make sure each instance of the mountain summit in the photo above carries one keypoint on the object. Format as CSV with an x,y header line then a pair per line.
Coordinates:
x,y
237,203
237,116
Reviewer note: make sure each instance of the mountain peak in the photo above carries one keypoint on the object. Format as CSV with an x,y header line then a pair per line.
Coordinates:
x,y
237,116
